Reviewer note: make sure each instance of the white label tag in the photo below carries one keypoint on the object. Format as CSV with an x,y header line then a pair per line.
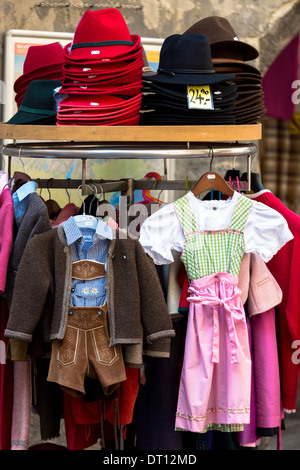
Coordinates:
x,y
211,177
199,97
95,52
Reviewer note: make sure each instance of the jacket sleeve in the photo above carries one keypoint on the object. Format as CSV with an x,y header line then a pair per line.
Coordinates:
x,y
30,291
155,318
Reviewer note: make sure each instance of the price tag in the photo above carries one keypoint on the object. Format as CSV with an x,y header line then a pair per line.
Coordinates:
x,y
199,97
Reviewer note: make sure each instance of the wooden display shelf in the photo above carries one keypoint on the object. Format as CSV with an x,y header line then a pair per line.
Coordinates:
x,y
228,133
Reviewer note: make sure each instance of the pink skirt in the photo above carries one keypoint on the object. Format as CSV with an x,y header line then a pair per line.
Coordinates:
x,y
215,381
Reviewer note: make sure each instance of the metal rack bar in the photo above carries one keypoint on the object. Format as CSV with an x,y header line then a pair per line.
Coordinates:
x,y
144,151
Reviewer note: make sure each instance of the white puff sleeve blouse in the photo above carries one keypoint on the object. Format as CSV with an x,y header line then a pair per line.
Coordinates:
x,y
266,230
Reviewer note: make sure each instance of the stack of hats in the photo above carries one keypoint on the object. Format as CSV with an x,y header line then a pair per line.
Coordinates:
x,y
186,90
102,74
230,55
38,105
42,62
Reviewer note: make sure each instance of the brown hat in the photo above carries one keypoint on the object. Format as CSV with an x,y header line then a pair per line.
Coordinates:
x,y
223,40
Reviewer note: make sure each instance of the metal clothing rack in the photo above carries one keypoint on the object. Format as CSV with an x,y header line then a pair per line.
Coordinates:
x,y
135,142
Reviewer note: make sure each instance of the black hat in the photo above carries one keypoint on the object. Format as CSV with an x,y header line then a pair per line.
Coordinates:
x,y
186,59
38,104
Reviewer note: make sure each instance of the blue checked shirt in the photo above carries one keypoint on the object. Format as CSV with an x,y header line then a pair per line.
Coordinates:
x,y
20,200
93,245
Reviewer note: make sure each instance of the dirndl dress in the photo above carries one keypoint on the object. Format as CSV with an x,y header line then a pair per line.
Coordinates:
x,y
215,382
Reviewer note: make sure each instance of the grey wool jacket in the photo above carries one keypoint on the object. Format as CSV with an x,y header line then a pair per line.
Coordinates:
x,y
137,311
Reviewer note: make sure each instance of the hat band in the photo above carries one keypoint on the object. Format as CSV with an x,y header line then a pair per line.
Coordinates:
x,y
49,112
102,43
173,71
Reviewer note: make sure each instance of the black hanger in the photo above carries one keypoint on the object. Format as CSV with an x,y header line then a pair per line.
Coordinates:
x,y
255,181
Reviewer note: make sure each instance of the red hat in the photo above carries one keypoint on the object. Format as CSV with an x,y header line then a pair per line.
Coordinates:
x,y
103,67
126,122
78,101
128,90
23,81
101,34
116,116
93,110
41,56
106,80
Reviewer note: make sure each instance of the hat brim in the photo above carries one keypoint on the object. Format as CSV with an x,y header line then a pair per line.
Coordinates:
x,y
104,68
132,89
230,47
180,93
102,102
100,117
27,118
122,79
95,53
25,79
105,101
238,65
190,79
126,122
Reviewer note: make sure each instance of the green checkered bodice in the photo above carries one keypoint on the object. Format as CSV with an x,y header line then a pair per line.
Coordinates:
x,y
207,252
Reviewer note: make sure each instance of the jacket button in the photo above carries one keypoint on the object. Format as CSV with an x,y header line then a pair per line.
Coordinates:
x,y
124,256
71,312
99,313
66,249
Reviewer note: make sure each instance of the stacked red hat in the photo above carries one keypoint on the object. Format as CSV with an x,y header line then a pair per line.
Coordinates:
x,y
42,62
102,73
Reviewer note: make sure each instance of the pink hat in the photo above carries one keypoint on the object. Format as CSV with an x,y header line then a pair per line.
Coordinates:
x,y
101,34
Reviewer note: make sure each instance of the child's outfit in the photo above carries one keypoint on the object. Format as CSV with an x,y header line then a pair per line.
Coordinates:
x,y
215,383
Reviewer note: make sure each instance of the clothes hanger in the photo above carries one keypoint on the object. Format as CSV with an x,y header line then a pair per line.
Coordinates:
x,y
212,180
255,180
233,176
84,220
52,206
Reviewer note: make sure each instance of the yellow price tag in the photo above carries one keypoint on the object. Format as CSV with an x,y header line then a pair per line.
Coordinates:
x,y
199,97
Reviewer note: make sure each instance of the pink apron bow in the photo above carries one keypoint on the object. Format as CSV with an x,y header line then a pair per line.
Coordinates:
x,y
232,316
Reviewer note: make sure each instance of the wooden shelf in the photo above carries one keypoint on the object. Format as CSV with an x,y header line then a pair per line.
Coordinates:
x,y
152,134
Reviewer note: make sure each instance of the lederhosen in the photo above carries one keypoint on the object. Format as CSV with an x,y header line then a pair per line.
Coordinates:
x,y
84,350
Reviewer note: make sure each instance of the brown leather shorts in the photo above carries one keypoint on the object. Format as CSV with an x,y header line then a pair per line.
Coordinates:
x,y
85,352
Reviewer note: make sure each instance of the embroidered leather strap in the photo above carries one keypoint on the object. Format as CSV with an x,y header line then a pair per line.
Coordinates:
x,y
86,270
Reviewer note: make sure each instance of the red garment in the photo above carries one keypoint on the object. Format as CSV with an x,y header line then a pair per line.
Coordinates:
x,y
6,386
285,267
83,420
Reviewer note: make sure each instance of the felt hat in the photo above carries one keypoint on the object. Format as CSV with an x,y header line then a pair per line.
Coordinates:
x,y
101,34
38,103
124,122
223,39
42,57
186,59
128,90
47,73
78,102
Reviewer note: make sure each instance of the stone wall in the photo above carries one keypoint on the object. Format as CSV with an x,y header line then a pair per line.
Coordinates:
x,y
267,24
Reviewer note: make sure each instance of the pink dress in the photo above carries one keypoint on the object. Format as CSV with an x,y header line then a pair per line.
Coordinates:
x,y
215,383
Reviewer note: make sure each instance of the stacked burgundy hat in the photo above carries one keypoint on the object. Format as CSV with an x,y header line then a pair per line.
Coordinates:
x,y
42,62
102,73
